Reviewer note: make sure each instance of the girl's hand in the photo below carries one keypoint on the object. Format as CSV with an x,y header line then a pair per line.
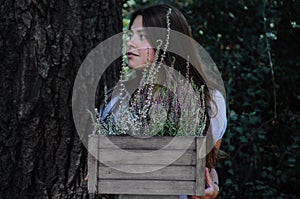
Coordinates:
x,y
211,191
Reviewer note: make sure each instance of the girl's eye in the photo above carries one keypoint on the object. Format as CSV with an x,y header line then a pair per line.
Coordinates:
x,y
130,35
142,37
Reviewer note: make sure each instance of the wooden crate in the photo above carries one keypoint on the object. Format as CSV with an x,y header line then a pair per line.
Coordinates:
x,y
112,172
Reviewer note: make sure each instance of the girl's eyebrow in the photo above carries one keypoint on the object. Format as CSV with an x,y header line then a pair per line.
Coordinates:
x,y
139,30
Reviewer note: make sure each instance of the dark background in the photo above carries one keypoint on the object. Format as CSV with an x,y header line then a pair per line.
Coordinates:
x,y
255,44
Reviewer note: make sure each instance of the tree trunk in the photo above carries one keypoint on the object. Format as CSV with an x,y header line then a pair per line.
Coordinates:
x,y
42,45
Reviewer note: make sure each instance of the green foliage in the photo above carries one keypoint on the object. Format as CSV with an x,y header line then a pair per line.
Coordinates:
x,y
256,46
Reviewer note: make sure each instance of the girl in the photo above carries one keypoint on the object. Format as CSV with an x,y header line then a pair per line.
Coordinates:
x,y
142,52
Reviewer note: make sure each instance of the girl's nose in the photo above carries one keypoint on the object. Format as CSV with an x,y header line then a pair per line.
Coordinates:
x,y
130,43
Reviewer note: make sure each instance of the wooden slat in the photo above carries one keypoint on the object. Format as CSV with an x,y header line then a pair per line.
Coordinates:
x,y
153,143
92,163
200,170
166,173
132,157
146,187
145,197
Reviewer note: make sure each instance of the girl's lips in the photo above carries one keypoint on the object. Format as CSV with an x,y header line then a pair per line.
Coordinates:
x,y
131,55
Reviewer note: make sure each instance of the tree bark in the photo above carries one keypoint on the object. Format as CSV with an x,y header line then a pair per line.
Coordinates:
x,y
42,45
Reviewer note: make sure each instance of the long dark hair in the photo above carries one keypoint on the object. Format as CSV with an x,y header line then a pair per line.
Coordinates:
x,y
155,16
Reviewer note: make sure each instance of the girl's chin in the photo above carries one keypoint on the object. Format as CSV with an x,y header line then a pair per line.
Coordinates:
x,y
136,67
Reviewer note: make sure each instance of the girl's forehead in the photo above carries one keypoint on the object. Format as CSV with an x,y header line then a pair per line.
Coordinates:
x,y
137,23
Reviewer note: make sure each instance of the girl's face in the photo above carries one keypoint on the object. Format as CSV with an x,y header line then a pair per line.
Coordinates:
x,y
139,50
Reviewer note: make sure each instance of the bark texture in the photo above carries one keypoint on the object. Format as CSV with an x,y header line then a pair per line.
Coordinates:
x,y
42,45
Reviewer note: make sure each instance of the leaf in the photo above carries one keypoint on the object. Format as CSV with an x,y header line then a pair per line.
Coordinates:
x,y
243,139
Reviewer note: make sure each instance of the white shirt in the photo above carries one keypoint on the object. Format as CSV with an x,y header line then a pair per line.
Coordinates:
x,y
218,120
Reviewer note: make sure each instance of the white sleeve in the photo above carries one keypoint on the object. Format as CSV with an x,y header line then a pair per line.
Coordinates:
x,y
218,120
